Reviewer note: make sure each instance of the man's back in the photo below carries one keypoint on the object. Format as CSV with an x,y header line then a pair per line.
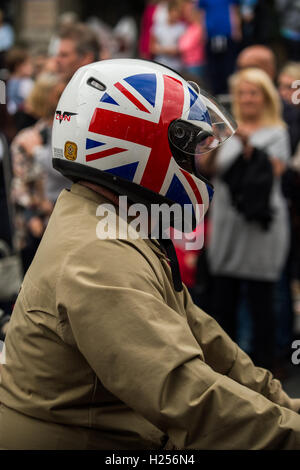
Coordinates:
x,y
103,353
50,379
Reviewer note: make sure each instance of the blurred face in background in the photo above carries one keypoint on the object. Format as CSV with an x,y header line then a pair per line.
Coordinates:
x,y
189,12
258,56
25,69
251,100
285,87
68,59
174,15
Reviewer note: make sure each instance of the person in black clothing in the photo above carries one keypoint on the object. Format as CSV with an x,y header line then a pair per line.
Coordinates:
x,y
291,101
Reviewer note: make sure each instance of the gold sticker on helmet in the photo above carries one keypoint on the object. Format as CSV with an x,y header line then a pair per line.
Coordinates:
x,y
70,151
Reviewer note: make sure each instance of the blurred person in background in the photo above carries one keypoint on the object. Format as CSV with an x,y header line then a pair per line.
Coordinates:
x,y
19,84
258,56
7,125
247,10
78,46
155,15
264,58
284,307
287,79
65,21
265,23
249,222
6,39
126,34
35,184
146,26
5,229
293,195
6,305
105,36
42,62
161,12
165,37
289,19
191,44
223,34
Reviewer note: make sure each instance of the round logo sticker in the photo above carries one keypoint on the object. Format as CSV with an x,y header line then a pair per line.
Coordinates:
x,y
70,150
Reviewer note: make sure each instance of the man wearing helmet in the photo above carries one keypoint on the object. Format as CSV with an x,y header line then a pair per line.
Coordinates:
x,y
105,348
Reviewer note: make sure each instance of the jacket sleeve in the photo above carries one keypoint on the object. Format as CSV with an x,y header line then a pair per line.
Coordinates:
x,y
146,355
225,357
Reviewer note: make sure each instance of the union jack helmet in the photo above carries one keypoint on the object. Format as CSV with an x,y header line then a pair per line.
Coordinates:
x,y
138,128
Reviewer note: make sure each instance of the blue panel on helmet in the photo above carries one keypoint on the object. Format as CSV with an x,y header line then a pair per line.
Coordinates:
x,y
125,171
145,84
198,111
108,99
210,192
193,97
90,144
177,193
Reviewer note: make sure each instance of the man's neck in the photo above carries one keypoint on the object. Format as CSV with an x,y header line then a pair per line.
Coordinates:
x,y
110,195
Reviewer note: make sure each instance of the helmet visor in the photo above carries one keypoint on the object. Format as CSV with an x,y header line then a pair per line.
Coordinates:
x,y
203,127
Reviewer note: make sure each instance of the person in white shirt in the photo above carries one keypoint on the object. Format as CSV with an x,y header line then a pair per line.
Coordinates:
x,y
165,36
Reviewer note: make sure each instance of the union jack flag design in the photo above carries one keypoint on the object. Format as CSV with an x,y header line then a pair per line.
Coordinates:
x,y
131,122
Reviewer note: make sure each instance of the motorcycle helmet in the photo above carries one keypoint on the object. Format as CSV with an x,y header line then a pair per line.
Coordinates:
x,y
139,129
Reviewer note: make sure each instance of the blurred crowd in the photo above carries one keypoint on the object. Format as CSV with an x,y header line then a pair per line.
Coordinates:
x,y
245,52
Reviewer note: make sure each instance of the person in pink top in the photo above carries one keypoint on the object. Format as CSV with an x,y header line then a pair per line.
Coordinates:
x,y
191,44
146,25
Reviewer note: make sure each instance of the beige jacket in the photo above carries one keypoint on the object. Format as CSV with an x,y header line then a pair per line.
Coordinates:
x,y
102,353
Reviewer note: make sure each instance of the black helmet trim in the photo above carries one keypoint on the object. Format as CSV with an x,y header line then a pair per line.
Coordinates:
x,y
135,193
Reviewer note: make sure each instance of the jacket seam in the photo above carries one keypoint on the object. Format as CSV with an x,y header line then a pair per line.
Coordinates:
x,y
92,400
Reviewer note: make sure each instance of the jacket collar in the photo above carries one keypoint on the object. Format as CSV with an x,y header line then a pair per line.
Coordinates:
x,y
88,193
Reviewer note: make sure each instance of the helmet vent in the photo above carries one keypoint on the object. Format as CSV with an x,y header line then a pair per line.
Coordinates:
x,y
93,82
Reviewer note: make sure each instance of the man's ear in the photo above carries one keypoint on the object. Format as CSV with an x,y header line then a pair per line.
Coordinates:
x,y
88,58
